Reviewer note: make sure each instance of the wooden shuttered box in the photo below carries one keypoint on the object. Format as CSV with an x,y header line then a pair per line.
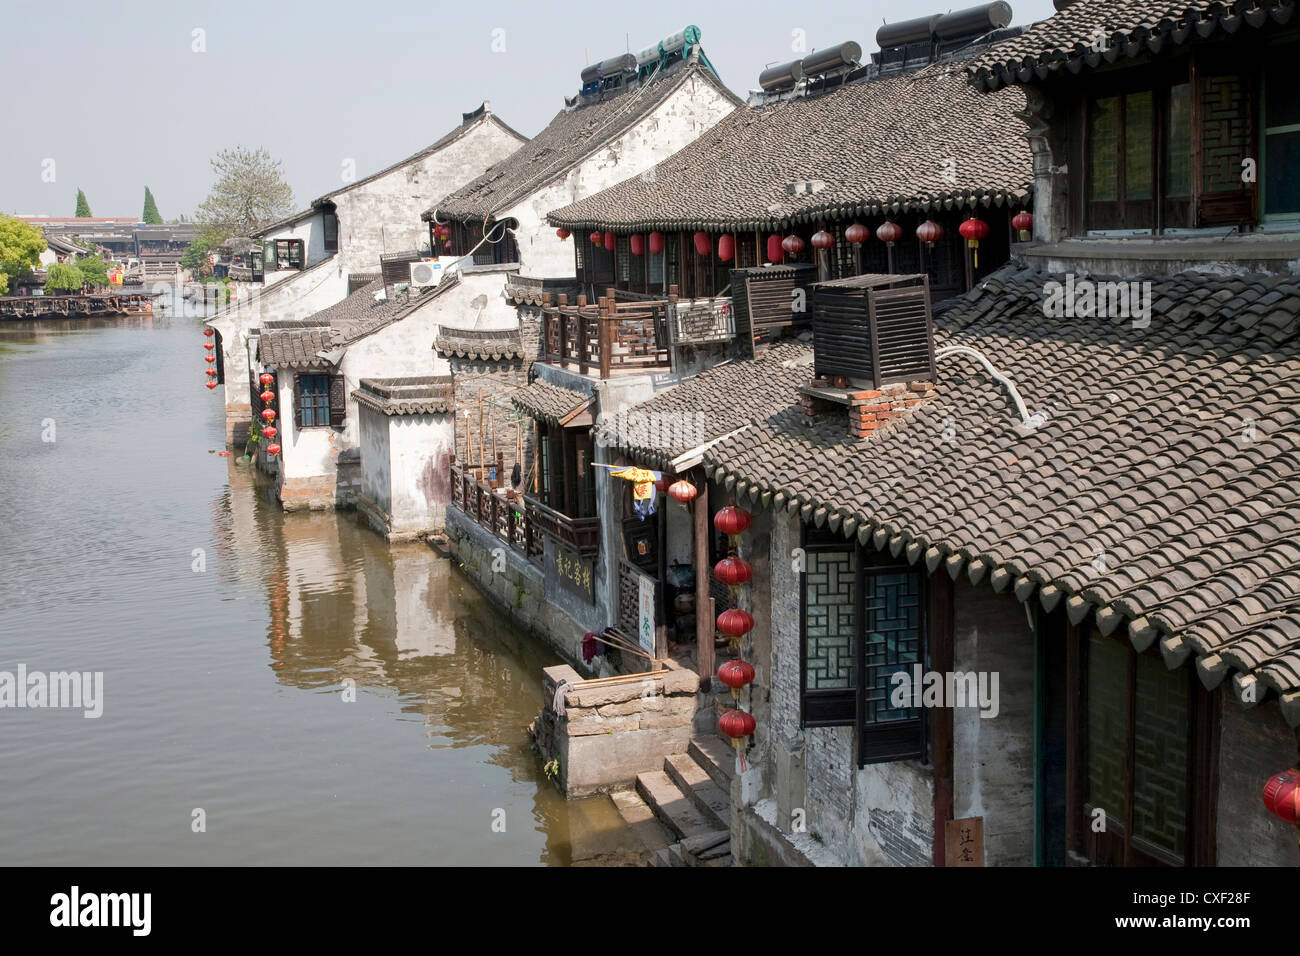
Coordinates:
x,y
873,328
764,300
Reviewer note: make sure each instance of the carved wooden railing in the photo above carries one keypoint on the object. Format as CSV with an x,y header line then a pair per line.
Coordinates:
x,y
606,336
580,534
505,518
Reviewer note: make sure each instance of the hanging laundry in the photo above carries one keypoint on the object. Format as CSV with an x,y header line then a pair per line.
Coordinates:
x,y
644,493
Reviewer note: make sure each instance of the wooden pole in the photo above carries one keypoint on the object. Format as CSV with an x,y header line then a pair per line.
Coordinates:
x,y
482,454
703,619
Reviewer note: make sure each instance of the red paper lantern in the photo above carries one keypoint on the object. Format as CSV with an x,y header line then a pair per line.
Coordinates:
x,y
268,414
856,234
209,346
733,571
793,244
737,725
775,249
273,449
209,358
683,491
703,243
889,232
822,240
211,371
208,332
735,623
661,485
596,238
267,397
1023,223
656,243
270,431
610,241
637,244
211,384
726,247
563,234
973,230
266,378
736,674
731,520
1282,796
929,232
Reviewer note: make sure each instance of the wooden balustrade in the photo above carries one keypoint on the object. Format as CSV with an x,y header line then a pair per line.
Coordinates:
x,y
507,519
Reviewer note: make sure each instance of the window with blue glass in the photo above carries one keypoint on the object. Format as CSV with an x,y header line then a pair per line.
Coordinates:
x,y
863,623
313,400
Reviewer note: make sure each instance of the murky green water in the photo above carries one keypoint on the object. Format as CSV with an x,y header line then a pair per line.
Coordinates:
x,y
223,686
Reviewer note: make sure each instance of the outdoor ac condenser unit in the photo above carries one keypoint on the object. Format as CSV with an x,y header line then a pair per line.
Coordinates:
x,y
425,273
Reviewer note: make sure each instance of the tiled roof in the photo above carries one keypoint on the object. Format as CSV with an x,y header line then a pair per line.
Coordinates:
x,y
870,146
573,135
295,343
418,395
484,345
1162,492
1070,40
549,403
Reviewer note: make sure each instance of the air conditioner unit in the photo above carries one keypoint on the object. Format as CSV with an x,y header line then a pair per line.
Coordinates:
x,y
425,272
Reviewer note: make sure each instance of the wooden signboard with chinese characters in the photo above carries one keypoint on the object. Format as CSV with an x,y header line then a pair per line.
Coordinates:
x,y
963,842
576,575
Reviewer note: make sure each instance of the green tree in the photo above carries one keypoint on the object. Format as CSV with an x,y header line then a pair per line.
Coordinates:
x,y
83,207
249,193
195,257
150,216
63,277
21,246
94,270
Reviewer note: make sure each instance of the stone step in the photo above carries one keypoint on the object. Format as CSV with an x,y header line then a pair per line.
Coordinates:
x,y
641,820
691,779
716,756
675,809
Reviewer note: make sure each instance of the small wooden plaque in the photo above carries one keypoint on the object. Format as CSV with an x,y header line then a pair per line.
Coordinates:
x,y
963,842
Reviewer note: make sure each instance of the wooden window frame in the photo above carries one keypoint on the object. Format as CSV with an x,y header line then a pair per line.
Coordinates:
x,y
1117,845
289,246
335,407
876,741
330,242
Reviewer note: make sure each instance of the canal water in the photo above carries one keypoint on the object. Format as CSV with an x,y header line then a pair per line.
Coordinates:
x,y
228,635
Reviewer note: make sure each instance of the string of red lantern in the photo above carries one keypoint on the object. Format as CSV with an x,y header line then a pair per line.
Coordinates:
x,y
734,623
269,430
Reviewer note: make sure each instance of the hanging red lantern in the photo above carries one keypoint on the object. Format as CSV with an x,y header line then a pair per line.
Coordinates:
x,y
929,232
636,242
661,485
1282,796
703,243
822,240
856,234
683,491
1023,223
737,725
736,674
211,371
270,431
610,241
210,383
973,230
266,378
726,247
267,397
735,623
209,358
889,232
209,346
597,238
273,449
732,521
733,571
775,248
268,414
208,332
793,244
563,234
656,243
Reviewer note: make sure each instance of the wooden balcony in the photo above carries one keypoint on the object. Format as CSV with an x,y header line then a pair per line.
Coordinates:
x,y
642,334
480,500
580,534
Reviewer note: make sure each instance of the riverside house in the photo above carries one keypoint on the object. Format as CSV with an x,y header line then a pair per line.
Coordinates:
x,y
315,258
1089,516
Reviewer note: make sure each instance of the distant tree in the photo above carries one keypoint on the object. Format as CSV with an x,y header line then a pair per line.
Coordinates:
x,y
94,270
63,277
195,257
83,207
150,216
249,193
21,246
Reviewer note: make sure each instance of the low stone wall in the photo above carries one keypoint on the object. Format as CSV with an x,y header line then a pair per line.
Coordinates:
x,y
610,732
322,492
238,418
